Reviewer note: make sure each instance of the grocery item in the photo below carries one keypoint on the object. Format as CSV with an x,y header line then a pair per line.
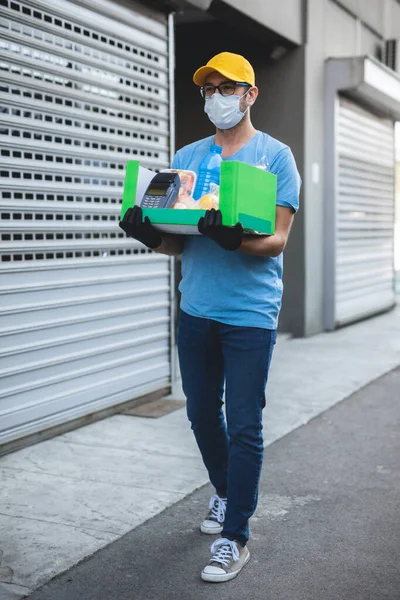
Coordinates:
x,y
246,194
186,201
210,200
209,171
187,183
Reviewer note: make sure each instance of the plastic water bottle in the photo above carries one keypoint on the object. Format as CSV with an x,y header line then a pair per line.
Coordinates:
x,y
209,171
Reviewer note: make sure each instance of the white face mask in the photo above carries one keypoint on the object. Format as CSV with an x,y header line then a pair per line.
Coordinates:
x,y
224,111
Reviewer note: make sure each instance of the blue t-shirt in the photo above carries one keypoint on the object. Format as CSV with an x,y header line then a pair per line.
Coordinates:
x,y
231,287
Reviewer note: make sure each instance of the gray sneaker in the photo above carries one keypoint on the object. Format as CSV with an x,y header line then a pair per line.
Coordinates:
x,y
229,558
214,522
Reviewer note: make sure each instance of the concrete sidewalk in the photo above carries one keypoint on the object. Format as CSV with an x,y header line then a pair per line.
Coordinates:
x,y
326,528
65,498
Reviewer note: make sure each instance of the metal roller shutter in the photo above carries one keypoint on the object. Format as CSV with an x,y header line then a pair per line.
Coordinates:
x,y
85,313
364,280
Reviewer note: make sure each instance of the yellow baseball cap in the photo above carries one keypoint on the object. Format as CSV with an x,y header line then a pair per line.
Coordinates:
x,y
233,66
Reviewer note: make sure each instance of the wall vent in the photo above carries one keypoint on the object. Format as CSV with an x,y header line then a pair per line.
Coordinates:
x,y
392,54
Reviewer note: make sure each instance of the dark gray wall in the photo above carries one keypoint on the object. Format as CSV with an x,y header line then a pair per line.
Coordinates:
x,y
285,16
279,111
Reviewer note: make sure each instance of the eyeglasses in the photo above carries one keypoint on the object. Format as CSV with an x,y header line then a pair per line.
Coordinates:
x,y
225,89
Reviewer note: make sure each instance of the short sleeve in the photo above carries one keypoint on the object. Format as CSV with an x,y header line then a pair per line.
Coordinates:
x,y
289,180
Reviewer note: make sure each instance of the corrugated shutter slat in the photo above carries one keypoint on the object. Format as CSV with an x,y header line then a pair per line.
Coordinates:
x,y
85,312
365,214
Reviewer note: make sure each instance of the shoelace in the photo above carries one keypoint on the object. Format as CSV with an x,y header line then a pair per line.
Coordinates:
x,y
223,550
218,508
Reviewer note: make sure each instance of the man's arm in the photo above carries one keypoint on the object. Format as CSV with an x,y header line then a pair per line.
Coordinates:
x,y
171,245
271,245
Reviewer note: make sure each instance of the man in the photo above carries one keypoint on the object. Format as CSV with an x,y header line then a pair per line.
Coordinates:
x,y
231,297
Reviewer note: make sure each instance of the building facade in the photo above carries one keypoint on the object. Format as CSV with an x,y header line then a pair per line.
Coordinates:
x,y
87,316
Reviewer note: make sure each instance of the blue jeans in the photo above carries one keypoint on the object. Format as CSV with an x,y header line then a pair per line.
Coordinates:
x,y
211,354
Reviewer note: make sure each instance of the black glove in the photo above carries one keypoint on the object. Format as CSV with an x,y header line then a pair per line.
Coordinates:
x,y
140,230
229,238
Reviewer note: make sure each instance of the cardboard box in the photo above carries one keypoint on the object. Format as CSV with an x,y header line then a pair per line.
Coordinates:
x,y
247,195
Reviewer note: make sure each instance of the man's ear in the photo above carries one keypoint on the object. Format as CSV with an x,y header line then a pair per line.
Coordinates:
x,y
252,95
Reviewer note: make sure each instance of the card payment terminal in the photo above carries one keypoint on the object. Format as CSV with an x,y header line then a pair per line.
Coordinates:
x,y
162,191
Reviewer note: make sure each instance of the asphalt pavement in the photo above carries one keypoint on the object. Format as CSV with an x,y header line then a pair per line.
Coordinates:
x,y
327,526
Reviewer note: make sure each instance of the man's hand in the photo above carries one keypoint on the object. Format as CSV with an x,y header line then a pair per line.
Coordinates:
x,y
229,238
140,230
